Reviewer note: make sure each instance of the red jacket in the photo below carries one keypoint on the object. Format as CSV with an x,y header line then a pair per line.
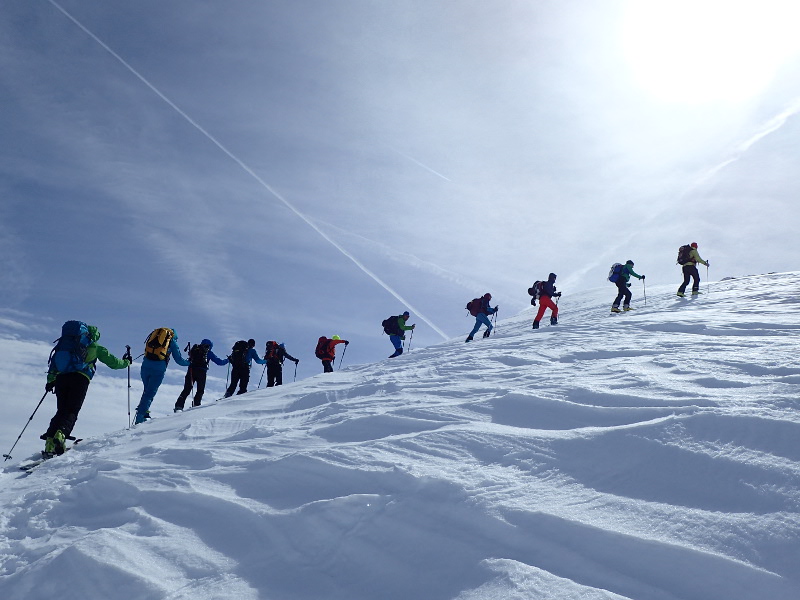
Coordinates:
x,y
330,349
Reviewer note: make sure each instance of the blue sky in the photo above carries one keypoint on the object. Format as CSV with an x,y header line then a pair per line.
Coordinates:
x,y
446,149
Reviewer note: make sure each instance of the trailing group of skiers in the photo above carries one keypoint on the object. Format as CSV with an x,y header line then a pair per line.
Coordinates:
x,y
72,362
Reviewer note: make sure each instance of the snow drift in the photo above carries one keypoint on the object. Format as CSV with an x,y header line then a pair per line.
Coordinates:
x,y
651,455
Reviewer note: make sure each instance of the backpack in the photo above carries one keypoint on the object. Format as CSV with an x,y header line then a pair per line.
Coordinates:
x,y
321,351
198,356
391,326
69,353
156,346
536,290
238,355
271,350
684,254
614,272
474,307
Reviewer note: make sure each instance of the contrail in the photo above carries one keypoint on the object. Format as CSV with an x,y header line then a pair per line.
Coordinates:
x,y
247,169
426,167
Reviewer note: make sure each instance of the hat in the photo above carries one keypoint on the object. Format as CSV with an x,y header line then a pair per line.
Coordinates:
x,y
552,276
281,345
693,244
251,342
488,296
207,342
406,314
629,262
336,337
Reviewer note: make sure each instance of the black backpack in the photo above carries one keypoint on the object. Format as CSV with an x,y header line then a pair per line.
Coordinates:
x,y
535,290
684,254
391,326
474,306
198,356
238,355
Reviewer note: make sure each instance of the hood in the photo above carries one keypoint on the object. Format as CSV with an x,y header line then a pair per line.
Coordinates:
x,y
94,333
207,342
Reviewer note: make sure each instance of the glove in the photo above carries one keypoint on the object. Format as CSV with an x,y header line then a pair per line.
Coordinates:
x,y
412,327
533,301
708,264
558,295
49,386
296,360
496,308
346,343
642,277
628,284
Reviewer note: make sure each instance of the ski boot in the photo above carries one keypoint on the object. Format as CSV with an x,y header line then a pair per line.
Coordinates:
x,y
696,292
536,324
469,338
681,294
487,333
615,309
553,320
59,442
626,308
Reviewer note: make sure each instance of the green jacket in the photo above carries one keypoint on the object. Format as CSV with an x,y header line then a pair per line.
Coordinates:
x,y
401,323
627,271
694,258
94,352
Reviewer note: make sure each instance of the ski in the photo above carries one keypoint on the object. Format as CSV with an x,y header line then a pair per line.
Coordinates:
x,y
29,467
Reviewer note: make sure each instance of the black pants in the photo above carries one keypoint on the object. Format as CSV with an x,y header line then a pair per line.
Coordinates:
x,y
193,376
71,391
690,272
327,366
240,376
274,373
622,286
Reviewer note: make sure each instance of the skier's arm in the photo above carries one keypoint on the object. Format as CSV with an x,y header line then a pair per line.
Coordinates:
x,y
220,361
175,351
108,359
253,355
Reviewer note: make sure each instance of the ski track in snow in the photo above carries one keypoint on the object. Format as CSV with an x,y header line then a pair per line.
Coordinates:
x,y
651,455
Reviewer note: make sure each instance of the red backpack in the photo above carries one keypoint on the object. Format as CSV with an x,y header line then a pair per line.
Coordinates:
x,y
474,306
321,350
271,350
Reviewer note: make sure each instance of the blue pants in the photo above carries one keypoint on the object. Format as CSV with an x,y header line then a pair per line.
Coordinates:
x,y
481,319
397,341
151,378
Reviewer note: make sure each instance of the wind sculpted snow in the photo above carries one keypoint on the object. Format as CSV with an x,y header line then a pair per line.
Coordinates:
x,y
651,456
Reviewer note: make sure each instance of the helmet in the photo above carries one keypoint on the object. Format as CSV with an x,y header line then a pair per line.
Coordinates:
x,y
207,342
336,337
693,244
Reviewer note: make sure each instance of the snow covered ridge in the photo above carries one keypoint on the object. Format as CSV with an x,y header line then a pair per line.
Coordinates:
x,y
651,455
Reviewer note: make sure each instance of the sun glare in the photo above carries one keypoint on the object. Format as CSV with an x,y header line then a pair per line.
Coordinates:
x,y
698,51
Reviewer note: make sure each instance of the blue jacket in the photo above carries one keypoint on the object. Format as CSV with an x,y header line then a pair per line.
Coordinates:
x,y
161,365
253,355
549,288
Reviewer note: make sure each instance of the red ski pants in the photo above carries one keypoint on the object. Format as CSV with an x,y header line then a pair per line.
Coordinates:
x,y
546,302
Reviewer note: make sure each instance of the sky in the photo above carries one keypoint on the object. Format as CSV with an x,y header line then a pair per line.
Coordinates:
x,y
290,169
532,464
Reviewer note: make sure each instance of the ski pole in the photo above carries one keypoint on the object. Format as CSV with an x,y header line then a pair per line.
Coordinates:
x,y
128,356
343,353
295,372
7,456
708,287
409,340
264,370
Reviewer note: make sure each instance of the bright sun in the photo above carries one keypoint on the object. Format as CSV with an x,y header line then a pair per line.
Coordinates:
x,y
698,51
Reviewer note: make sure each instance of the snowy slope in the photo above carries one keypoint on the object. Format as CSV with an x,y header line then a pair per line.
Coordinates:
x,y
652,455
